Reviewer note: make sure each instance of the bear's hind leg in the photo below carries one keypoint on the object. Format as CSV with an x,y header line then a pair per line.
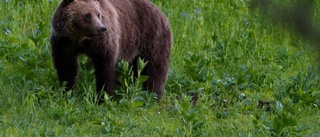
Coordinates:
x,y
157,73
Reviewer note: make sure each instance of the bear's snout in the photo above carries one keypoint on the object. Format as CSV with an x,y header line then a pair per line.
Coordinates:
x,y
102,29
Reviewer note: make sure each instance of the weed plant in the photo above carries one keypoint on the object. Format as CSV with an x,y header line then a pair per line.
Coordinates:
x,y
253,78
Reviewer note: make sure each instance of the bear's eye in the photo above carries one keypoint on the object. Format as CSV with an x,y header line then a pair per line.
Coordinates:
x,y
87,17
99,15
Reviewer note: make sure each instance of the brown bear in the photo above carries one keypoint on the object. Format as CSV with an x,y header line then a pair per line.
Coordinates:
x,y
108,31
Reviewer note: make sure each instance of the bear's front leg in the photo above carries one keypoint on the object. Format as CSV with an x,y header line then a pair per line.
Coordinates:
x,y
64,60
105,73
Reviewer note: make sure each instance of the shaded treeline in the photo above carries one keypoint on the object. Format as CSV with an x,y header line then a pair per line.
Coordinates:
x,y
297,15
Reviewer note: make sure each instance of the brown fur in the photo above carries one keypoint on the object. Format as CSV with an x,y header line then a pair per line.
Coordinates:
x,y
108,31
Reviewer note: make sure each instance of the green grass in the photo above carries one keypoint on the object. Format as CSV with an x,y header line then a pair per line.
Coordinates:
x,y
226,52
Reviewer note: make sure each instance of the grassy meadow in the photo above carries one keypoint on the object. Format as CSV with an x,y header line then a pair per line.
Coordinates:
x,y
253,78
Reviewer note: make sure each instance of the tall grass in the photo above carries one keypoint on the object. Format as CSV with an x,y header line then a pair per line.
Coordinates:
x,y
253,78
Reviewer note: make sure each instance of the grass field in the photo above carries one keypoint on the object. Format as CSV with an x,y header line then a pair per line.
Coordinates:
x,y
253,78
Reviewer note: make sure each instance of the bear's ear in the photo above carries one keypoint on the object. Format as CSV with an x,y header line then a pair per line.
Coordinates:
x,y
67,1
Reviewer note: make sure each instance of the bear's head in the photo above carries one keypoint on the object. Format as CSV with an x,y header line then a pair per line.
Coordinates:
x,y
81,18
